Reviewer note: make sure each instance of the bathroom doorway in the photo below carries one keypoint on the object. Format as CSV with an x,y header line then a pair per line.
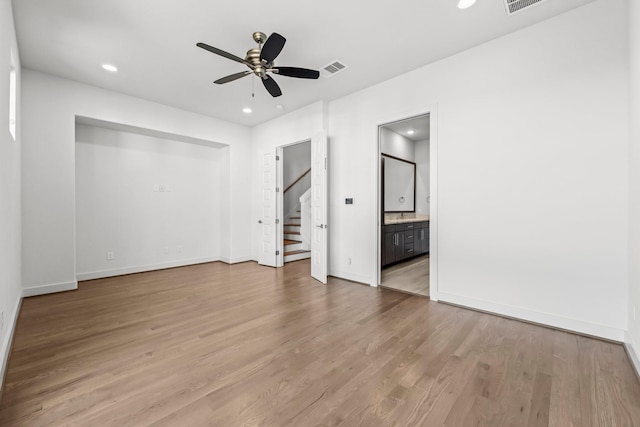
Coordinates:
x,y
404,193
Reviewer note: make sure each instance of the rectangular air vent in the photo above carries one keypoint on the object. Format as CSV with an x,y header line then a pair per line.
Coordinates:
x,y
333,68
514,6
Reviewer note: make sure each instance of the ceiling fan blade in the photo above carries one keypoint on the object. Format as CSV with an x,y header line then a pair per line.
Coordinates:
x,y
222,53
301,73
272,47
271,86
232,77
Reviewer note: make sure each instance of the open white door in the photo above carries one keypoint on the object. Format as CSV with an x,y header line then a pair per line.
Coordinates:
x,y
319,207
268,247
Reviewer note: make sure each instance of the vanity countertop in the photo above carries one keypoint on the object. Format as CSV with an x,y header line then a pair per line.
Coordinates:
x,y
417,218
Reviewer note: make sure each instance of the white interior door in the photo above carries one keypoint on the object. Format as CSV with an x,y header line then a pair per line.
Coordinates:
x,y
319,207
268,247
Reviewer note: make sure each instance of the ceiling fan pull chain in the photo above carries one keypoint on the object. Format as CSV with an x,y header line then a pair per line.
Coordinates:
x,y
253,86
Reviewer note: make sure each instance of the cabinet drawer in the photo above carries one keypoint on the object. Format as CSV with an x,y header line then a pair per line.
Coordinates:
x,y
409,250
408,236
407,226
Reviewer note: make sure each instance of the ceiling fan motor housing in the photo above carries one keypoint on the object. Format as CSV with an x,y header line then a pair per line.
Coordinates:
x,y
253,58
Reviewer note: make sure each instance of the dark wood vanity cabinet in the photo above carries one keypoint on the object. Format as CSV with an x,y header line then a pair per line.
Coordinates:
x,y
403,241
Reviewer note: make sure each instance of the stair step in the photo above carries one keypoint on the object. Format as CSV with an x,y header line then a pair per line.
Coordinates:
x,y
292,225
301,251
296,233
291,242
295,217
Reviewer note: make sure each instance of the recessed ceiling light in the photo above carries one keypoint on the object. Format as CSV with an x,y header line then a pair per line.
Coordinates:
x,y
280,107
246,110
411,132
463,4
110,67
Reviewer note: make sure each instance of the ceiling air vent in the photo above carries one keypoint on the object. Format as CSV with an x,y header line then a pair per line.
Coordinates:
x,y
333,68
514,6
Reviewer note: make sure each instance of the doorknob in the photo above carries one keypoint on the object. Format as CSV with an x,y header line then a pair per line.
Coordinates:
x,y
320,226
259,221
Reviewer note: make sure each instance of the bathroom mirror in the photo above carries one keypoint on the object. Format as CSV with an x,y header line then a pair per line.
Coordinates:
x,y
399,178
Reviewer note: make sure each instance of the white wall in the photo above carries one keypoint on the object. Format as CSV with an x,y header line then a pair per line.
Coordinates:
x,y
296,161
48,169
396,145
423,171
532,171
296,126
633,337
10,238
121,206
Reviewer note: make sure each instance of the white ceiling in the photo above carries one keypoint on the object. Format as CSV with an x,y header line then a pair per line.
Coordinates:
x,y
419,125
153,43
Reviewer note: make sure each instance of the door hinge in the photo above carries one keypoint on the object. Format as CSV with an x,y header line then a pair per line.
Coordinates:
x,y
277,189
325,163
277,158
277,252
277,221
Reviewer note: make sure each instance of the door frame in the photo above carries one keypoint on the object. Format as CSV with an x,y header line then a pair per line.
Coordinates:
x,y
432,111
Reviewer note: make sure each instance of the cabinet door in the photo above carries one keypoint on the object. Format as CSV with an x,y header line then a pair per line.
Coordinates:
x,y
417,241
425,241
389,247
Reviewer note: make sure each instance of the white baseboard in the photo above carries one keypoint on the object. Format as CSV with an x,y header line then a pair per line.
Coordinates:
x,y
236,260
143,268
366,280
49,289
579,326
633,351
6,343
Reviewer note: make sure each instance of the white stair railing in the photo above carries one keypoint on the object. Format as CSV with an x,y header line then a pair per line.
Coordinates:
x,y
305,220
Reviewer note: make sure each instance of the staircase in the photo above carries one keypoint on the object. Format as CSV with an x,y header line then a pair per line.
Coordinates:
x,y
294,248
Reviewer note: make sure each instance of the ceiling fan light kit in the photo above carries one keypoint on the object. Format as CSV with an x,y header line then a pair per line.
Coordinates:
x,y
260,60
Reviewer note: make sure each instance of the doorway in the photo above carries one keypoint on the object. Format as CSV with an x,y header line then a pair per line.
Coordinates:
x,y
404,193
273,230
295,200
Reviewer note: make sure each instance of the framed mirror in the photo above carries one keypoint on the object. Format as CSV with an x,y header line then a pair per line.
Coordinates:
x,y
399,184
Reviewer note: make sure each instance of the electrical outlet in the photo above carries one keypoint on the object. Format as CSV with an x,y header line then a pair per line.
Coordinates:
x,y
156,187
166,249
110,256
349,261
163,188
179,249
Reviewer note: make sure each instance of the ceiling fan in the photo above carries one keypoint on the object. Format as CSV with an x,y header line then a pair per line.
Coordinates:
x,y
260,62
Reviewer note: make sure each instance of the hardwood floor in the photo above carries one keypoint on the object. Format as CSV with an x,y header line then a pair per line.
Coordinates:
x,y
224,345
410,276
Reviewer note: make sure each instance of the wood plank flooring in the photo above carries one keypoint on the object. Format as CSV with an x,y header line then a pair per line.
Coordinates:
x,y
220,345
410,276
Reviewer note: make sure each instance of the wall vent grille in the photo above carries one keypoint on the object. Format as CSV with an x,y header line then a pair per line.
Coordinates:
x,y
333,68
515,6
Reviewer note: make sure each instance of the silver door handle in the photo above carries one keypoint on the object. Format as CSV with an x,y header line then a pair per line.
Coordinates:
x,y
259,221
320,226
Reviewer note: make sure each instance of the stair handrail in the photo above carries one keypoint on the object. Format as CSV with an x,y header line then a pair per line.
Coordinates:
x,y
297,180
